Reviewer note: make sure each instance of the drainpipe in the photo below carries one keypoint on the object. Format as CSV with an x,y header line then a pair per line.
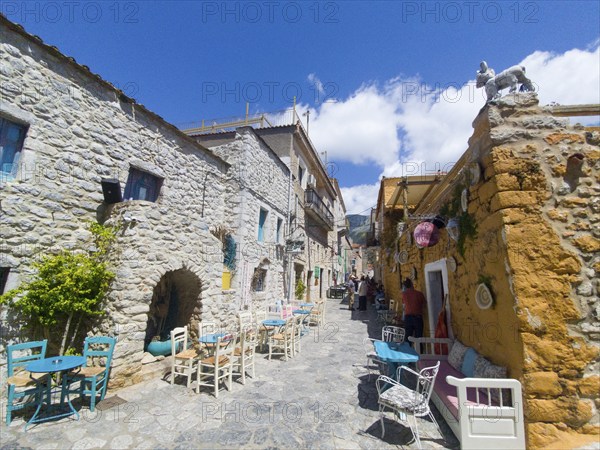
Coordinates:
x,y
290,257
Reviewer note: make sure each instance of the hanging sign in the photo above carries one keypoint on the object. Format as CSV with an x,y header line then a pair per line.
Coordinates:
x,y
317,272
426,235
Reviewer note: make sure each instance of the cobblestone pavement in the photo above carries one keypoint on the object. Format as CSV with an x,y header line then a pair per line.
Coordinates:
x,y
322,398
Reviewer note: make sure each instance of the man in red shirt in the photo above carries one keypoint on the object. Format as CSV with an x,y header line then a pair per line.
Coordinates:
x,y
413,302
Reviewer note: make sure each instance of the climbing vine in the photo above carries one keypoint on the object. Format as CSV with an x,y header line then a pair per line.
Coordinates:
x,y
466,222
67,288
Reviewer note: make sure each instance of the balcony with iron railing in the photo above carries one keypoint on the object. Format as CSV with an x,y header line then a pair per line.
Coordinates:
x,y
314,206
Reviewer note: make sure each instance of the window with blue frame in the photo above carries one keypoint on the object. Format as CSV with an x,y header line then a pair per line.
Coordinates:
x,y
12,136
262,220
142,186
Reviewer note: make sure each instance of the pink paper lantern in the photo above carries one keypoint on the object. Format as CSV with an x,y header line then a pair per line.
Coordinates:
x,y
426,235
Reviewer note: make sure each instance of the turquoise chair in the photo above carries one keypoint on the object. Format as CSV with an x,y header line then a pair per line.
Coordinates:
x,y
94,378
21,383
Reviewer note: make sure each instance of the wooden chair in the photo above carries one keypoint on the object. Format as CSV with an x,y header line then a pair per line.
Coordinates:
x,y
298,329
23,384
244,318
182,364
403,400
283,341
317,314
244,352
205,328
213,369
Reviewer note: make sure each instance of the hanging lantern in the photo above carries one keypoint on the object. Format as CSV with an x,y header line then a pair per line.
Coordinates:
x,y
453,229
426,235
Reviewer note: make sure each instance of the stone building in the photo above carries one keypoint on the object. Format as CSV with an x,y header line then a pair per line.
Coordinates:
x,y
526,201
256,213
312,230
186,210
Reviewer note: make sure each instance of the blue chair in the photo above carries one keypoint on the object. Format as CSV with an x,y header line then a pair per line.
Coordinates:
x,y
94,378
21,383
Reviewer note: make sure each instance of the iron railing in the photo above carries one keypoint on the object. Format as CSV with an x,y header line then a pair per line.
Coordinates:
x,y
313,202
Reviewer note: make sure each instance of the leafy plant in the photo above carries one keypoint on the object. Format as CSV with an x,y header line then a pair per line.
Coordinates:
x,y
68,287
300,289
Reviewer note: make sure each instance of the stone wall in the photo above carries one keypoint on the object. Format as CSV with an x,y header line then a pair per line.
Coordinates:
x,y
81,129
257,179
537,249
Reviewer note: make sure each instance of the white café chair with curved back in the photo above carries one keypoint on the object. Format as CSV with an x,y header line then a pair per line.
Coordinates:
x,y
390,333
372,357
213,369
183,358
403,400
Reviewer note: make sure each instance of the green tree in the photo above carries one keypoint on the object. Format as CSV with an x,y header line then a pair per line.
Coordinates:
x,y
67,288
300,289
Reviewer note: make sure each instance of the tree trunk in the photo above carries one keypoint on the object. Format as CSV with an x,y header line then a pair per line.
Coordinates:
x,y
65,334
74,335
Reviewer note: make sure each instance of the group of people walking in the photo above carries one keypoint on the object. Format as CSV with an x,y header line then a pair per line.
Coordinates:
x,y
366,291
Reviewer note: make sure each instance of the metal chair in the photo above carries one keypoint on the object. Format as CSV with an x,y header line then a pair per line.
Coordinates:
x,y
403,400
184,358
372,357
93,377
213,369
21,383
391,333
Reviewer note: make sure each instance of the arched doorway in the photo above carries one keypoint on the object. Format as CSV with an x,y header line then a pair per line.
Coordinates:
x,y
175,303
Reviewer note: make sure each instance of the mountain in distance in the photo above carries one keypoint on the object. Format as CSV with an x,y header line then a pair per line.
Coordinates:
x,y
359,227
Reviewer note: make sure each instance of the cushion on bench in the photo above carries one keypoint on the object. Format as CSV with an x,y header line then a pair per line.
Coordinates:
x,y
448,393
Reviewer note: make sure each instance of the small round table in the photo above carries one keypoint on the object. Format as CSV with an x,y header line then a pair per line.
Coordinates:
x,y
56,364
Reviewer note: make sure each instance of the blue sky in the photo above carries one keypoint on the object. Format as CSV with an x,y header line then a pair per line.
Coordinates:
x,y
388,84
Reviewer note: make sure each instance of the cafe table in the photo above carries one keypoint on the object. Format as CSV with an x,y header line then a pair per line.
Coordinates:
x,y
395,354
56,364
211,338
268,326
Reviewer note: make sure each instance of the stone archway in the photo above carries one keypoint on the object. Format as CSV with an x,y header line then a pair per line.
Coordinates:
x,y
176,302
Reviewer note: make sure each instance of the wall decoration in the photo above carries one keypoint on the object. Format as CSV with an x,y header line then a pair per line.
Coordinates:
x,y
464,200
413,274
483,297
426,234
453,229
403,257
451,263
474,173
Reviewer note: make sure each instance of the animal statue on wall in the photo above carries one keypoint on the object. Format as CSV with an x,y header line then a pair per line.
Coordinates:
x,y
510,77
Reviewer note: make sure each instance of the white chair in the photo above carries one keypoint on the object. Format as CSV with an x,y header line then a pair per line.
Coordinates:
x,y
403,400
205,328
244,353
244,318
372,357
298,328
213,369
283,340
316,316
390,333
184,358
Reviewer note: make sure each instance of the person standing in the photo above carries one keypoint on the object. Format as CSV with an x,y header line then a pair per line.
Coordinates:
x,y
413,302
362,294
350,288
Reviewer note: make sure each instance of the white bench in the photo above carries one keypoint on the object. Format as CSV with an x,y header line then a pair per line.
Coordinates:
x,y
478,416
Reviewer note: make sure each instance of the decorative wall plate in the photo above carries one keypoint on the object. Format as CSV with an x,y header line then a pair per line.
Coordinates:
x,y
413,274
475,173
396,258
403,257
483,297
464,200
451,264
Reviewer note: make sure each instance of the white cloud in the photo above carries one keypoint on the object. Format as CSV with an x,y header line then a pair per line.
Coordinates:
x,y
360,199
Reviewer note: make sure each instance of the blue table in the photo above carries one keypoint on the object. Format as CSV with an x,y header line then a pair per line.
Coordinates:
x,y
211,338
273,322
56,364
395,354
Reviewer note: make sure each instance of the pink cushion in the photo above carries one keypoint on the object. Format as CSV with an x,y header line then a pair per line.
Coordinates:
x,y
446,392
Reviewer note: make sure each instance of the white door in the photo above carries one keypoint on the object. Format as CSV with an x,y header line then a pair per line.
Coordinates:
x,y
436,278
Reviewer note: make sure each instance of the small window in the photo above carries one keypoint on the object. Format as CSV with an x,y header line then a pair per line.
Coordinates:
x,y
142,186
3,278
262,220
259,280
278,236
300,174
12,136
